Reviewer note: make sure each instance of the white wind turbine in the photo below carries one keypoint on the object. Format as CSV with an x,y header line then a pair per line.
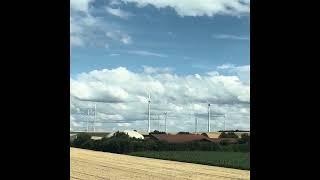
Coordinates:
x,y
209,115
149,102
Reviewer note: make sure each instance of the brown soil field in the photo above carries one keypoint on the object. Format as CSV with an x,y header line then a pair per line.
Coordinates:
x,y
87,164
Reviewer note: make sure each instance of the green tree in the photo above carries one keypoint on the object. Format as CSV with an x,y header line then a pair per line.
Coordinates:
x,y
157,132
228,135
183,133
120,135
81,139
204,134
245,138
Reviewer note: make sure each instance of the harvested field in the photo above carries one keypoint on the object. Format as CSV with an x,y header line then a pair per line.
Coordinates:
x,y
87,164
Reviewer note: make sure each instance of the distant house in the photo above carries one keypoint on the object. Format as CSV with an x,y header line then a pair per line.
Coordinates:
x,y
184,138
212,134
179,138
132,134
96,137
144,134
244,132
217,134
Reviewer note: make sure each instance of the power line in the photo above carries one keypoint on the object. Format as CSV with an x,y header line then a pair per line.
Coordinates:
x,y
93,118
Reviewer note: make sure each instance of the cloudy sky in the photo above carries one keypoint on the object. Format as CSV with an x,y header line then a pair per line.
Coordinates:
x,y
184,53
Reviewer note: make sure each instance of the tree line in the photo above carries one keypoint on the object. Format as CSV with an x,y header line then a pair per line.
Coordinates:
x,y
121,143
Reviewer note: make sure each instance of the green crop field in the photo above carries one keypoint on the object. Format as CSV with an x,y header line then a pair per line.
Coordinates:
x,y
236,160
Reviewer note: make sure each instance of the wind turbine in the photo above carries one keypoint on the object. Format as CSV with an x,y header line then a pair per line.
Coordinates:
x,y
95,116
225,117
158,122
209,115
165,122
196,123
149,102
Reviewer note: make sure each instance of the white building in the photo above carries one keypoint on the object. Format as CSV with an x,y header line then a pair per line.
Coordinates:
x,y
130,133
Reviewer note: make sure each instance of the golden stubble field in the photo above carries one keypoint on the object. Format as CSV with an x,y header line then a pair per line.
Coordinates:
x,y
87,164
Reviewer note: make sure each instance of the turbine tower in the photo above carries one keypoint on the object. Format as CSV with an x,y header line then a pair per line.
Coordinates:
x,y
209,117
225,117
158,122
196,124
149,101
165,122
95,116
88,121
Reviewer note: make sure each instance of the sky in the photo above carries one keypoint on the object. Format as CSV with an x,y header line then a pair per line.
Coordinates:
x,y
185,54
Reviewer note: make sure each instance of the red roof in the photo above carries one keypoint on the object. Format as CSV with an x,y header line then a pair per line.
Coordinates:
x,y
180,138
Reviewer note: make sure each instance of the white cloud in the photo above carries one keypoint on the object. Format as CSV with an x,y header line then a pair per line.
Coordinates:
x,y
76,41
122,95
75,31
74,27
114,54
112,117
151,70
89,30
73,123
124,124
80,5
234,68
243,72
82,23
126,39
232,37
226,66
97,91
213,73
147,53
118,12
203,8
114,2
119,36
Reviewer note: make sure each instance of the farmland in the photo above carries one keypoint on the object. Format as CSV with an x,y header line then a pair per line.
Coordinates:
x,y
88,164
237,160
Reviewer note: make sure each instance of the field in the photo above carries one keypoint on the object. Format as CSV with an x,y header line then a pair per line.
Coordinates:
x,y
225,159
87,164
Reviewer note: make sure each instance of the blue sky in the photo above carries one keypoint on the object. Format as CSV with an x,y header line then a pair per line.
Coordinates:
x,y
189,44
184,53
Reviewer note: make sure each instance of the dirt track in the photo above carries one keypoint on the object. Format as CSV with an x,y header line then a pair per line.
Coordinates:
x,y
86,164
